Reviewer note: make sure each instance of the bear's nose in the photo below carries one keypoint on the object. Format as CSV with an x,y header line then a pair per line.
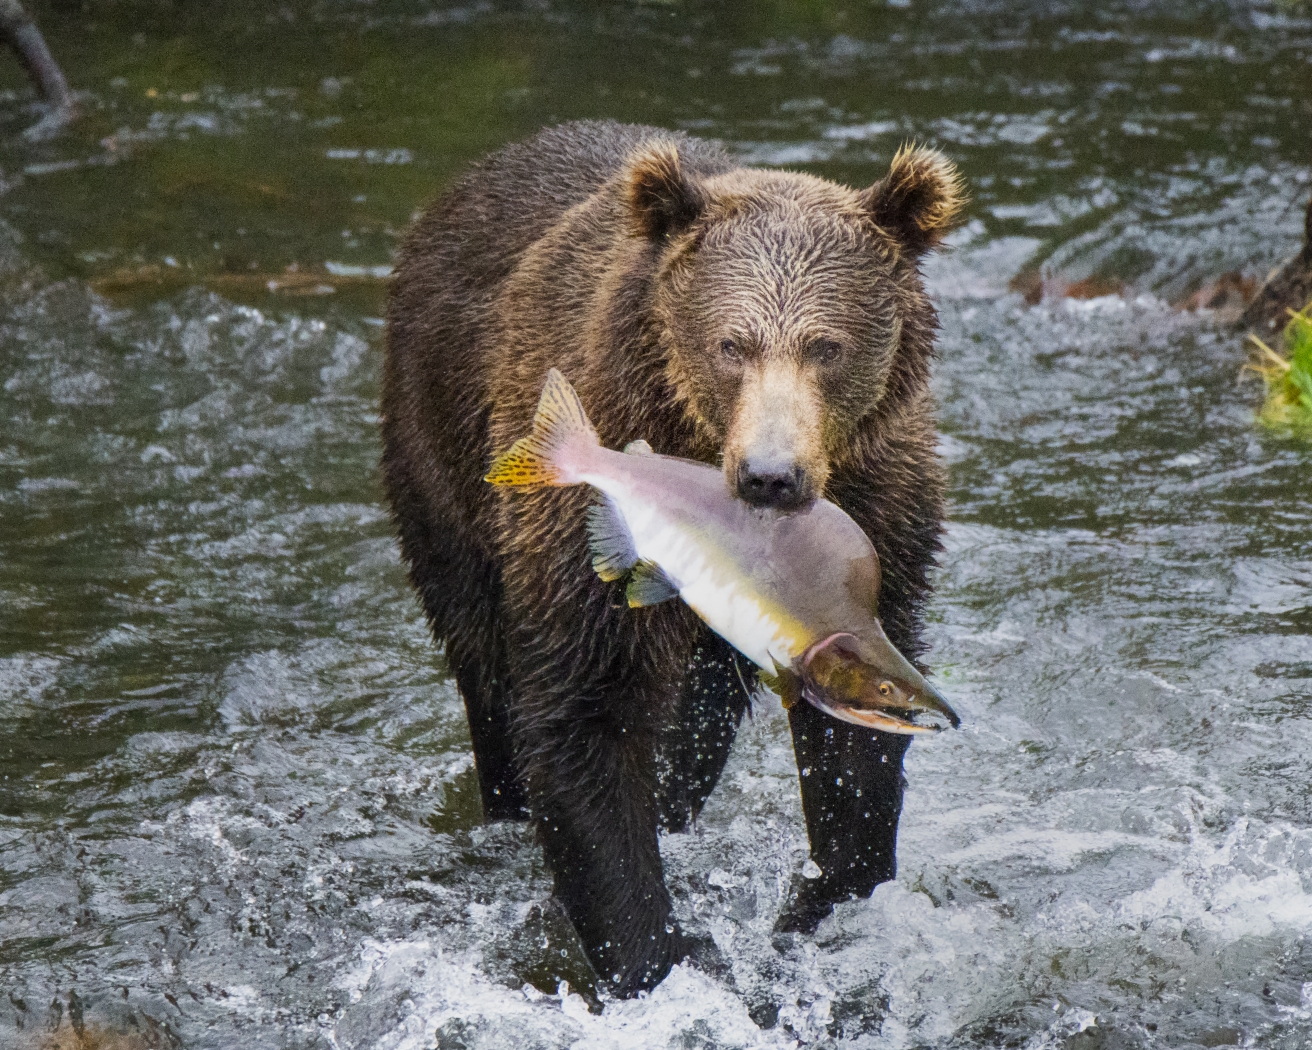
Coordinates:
x,y
772,483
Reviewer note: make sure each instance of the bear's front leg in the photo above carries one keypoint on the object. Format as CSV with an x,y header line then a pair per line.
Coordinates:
x,y
852,796
592,684
592,792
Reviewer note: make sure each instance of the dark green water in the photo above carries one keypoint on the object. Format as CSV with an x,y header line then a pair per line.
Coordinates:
x,y
237,806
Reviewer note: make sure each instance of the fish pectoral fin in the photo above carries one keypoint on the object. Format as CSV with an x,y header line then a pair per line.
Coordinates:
x,y
613,553
648,585
784,683
638,447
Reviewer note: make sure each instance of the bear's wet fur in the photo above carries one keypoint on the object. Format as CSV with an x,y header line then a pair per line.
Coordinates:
x,y
772,320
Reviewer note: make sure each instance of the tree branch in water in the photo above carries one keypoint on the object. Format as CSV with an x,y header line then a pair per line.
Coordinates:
x,y
18,28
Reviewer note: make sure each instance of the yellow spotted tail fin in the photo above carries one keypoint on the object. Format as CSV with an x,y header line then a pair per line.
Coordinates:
x,y
548,456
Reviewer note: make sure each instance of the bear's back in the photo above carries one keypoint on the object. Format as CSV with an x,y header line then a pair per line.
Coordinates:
x,y
481,225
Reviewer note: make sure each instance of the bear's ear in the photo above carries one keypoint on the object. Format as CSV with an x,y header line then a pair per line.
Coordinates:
x,y
919,200
662,199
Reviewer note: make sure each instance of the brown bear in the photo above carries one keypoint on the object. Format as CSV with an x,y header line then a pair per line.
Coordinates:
x,y
768,321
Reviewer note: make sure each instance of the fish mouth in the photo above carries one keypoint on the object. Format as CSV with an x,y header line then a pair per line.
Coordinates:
x,y
865,681
872,718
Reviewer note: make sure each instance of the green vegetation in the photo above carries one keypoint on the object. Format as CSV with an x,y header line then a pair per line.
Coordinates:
x,y
1288,379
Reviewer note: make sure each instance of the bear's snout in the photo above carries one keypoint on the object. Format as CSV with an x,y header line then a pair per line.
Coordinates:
x,y
773,455
773,482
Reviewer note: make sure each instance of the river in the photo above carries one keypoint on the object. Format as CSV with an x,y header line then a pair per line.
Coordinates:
x,y
237,803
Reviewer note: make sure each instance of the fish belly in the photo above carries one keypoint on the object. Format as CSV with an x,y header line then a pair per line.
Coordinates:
x,y
739,617
715,589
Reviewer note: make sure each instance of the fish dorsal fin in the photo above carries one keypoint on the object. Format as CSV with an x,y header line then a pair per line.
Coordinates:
x,y
784,683
648,585
638,448
613,553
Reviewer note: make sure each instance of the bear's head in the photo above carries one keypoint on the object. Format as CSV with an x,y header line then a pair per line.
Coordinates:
x,y
789,309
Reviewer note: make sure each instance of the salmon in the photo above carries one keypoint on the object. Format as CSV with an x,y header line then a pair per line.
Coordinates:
x,y
797,593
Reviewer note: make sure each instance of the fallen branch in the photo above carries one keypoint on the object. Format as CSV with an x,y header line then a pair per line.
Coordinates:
x,y
18,28
1288,288
310,281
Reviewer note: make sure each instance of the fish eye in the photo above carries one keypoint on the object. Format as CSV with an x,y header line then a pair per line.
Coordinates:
x,y
885,688
825,351
730,350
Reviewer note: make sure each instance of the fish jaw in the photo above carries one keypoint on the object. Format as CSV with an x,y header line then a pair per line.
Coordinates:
x,y
866,681
868,718
884,657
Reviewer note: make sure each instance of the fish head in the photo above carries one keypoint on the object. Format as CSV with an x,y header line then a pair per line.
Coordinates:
x,y
786,306
867,682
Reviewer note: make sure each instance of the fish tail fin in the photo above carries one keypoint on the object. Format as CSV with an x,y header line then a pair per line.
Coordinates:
x,y
549,455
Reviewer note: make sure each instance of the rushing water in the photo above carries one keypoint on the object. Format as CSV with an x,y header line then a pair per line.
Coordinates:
x,y
237,806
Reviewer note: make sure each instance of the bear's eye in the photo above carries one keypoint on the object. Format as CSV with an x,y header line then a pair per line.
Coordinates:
x,y
730,351
825,351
